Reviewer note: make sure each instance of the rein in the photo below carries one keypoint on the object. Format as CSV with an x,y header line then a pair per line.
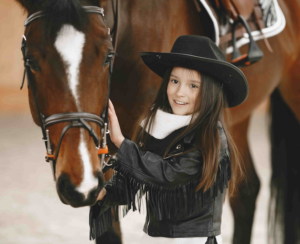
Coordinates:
x,y
76,119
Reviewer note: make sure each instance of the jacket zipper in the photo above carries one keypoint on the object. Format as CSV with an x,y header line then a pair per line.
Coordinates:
x,y
172,155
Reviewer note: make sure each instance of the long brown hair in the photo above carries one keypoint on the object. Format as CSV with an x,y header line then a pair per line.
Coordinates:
x,y
211,107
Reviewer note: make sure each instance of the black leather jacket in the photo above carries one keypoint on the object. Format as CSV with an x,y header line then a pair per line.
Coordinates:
x,y
174,209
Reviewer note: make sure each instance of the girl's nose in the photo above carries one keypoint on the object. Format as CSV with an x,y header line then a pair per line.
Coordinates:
x,y
180,91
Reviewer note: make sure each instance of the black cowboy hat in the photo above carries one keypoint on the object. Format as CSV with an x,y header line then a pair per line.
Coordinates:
x,y
200,53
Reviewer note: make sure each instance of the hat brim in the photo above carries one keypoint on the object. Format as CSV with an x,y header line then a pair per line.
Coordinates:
x,y
235,82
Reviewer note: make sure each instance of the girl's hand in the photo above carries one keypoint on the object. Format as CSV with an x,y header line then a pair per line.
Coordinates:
x,y
116,135
101,194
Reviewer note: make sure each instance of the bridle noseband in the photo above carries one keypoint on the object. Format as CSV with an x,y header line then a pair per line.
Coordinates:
x,y
76,119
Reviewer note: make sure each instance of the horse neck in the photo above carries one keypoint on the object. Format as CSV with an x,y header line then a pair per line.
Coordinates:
x,y
154,25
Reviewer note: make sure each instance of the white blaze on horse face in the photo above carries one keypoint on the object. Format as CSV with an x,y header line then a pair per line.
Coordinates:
x,y
89,180
69,44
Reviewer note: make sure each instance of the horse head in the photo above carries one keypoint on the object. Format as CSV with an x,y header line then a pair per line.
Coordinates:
x,y
67,53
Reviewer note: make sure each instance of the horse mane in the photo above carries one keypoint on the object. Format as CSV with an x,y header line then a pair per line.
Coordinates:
x,y
58,13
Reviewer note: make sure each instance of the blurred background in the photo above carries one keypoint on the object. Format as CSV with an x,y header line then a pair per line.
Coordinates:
x,y
30,209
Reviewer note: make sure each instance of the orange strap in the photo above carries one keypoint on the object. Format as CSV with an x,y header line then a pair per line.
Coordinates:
x,y
244,56
239,58
51,156
103,150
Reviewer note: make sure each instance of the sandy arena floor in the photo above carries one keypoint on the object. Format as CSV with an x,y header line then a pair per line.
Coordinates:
x,y
31,211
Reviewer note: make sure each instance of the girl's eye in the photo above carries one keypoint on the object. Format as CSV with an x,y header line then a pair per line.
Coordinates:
x,y
194,86
174,81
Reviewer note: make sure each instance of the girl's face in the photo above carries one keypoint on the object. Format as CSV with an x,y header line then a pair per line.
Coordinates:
x,y
183,89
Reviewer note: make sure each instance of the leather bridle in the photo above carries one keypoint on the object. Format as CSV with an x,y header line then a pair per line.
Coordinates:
x,y
76,119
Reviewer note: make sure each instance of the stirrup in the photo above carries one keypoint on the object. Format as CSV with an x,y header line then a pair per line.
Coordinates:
x,y
254,52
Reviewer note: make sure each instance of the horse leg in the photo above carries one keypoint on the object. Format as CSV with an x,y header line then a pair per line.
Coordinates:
x,y
284,213
243,205
289,89
112,236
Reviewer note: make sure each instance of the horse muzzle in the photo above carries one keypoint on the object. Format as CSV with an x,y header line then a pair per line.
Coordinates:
x,y
69,194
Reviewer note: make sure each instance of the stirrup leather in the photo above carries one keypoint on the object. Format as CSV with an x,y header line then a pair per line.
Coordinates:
x,y
254,53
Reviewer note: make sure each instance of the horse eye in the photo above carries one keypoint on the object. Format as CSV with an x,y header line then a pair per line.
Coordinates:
x,y
32,64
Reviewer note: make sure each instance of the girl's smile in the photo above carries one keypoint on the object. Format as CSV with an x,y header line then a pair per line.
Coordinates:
x,y
179,103
183,89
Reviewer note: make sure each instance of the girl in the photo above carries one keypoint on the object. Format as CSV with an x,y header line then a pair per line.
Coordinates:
x,y
184,158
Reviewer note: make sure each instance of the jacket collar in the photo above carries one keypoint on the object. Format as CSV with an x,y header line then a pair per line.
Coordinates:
x,y
165,123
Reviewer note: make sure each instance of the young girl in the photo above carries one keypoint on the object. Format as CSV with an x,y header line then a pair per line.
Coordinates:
x,y
182,155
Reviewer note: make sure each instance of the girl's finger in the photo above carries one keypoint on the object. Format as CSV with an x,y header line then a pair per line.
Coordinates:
x,y
109,104
112,106
110,112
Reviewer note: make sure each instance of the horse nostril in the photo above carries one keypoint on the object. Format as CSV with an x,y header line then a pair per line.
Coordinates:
x,y
69,193
66,190
62,199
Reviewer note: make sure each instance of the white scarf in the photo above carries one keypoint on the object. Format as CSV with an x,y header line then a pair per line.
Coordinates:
x,y
165,123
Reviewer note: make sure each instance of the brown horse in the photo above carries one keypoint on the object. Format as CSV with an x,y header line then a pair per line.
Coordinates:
x,y
143,26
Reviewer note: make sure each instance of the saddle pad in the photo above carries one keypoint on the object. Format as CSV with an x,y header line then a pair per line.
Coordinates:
x,y
273,19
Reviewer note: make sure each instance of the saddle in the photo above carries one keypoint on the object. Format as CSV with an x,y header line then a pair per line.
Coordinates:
x,y
235,8
234,19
